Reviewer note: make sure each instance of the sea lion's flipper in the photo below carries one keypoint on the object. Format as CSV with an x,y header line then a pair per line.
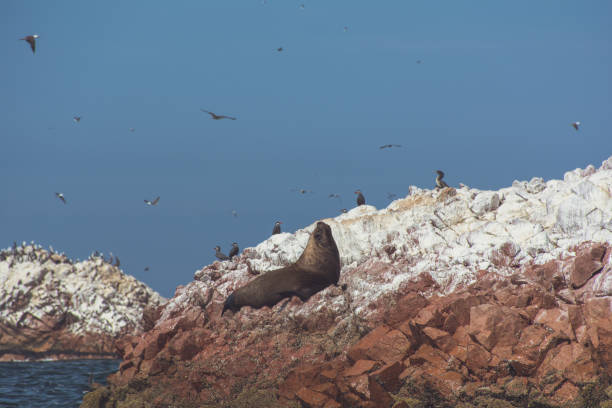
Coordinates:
x,y
229,304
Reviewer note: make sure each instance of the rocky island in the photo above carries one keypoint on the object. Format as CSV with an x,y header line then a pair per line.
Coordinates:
x,y
449,297
52,308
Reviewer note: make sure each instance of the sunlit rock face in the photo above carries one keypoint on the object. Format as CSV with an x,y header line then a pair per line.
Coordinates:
x,y
451,294
54,308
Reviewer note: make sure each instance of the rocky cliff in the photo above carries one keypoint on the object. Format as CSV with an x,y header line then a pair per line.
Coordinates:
x,y
53,308
446,297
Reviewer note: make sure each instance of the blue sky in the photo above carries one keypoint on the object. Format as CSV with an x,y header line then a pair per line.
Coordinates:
x,y
492,101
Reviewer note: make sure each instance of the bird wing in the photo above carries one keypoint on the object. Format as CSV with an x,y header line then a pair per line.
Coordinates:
x,y
155,201
32,42
212,115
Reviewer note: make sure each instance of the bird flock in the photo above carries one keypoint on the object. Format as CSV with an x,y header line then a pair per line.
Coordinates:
x,y
32,41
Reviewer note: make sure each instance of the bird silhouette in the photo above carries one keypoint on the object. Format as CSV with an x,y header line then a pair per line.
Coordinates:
x,y
234,251
31,39
277,228
279,49
576,125
61,197
220,255
154,202
217,117
360,198
439,182
387,146
76,119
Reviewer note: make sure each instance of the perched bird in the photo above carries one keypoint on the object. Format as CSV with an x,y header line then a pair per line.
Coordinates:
x,y
344,211
221,256
234,251
360,198
61,197
31,39
117,262
389,146
439,182
276,229
279,49
217,117
576,125
76,119
154,202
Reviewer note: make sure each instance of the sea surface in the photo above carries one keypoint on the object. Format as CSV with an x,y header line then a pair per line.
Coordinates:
x,y
50,383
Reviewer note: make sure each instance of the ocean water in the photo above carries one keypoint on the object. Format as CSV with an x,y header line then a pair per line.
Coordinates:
x,y
50,383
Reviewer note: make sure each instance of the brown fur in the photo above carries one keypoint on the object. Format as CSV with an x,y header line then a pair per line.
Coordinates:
x,y
317,268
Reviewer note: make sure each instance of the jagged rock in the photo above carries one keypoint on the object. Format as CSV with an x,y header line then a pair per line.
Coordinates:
x,y
52,308
514,304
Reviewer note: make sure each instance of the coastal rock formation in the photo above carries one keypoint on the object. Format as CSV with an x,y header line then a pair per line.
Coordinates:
x,y
54,308
456,296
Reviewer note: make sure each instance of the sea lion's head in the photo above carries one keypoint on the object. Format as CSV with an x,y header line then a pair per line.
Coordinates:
x,y
321,249
322,236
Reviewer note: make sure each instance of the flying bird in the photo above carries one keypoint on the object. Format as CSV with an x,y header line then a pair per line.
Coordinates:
x,y
334,196
146,269
276,229
576,125
279,49
76,119
234,251
31,39
387,146
61,197
345,29
302,6
220,255
132,129
154,202
302,190
439,182
235,213
217,117
360,198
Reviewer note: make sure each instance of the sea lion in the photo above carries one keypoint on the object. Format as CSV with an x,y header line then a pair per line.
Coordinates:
x,y
317,268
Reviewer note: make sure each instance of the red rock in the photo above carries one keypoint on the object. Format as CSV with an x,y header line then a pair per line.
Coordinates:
x,y
406,308
311,399
360,349
391,347
441,339
530,342
388,376
598,317
495,325
430,355
326,388
360,367
430,316
566,393
586,264
555,319
477,357
332,404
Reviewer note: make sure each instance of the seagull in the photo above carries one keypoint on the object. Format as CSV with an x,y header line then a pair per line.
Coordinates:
x,y
576,125
217,117
154,202
302,191
31,39
76,119
61,197
439,182
389,146
279,49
